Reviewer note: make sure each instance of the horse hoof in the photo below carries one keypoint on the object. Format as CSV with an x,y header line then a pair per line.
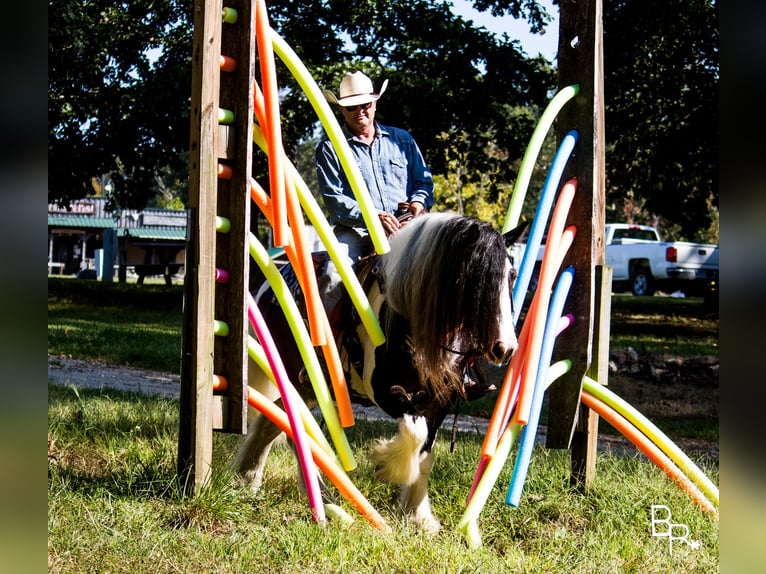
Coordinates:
x,y
428,524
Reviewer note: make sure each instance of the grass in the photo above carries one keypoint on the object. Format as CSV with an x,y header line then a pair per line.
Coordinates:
x,y
140,325
119,324
663,325
114,506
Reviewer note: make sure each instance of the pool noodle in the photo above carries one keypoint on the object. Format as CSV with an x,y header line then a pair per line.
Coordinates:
x,y
479,495
530,155
225,171
500,419
222,224
534,322
552,258
540,219
334,132
273,125
254,348
511,389
256,353
311,363
342,263
329,349
288,394
298,255
649,449
506,397
333,472
537,329
686,465
302,262
528,433
315,311
488,478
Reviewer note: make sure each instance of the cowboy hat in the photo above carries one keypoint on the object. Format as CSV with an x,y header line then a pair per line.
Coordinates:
x,y
355,89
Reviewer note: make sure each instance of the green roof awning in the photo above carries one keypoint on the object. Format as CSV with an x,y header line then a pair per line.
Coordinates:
x,y
80,221
172,233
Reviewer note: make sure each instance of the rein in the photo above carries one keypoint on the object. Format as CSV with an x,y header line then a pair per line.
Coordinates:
x,y
478,386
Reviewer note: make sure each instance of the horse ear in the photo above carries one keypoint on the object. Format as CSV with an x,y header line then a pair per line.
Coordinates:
x,y
513,235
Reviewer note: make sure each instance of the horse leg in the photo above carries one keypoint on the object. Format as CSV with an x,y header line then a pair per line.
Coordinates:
x,y
250,460
402,460
414,497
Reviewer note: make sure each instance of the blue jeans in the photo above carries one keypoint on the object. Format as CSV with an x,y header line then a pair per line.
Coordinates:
x,y
356,242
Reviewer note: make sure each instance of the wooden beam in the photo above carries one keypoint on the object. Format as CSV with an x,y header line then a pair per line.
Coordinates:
x,y
585,438
232,249
196,404
580,62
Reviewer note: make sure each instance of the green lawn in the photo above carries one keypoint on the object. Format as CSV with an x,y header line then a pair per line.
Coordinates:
x,y
114,504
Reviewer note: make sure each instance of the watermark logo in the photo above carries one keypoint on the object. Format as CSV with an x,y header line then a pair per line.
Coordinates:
x,y
662,527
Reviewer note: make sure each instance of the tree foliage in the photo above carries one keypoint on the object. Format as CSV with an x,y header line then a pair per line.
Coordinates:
x,y
110,109
114,111
661,97
470,98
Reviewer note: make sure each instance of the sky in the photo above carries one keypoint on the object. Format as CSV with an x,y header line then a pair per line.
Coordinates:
x,y
532,44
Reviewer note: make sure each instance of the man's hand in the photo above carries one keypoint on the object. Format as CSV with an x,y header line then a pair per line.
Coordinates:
x,y
416,208
390,223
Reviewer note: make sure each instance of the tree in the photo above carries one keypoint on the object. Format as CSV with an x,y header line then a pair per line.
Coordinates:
x,y
118,113
661,98
113,110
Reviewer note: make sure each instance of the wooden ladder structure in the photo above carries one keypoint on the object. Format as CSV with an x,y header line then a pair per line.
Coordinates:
x,y
215,332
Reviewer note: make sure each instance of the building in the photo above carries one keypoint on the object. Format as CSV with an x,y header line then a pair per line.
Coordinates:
x,y
88,241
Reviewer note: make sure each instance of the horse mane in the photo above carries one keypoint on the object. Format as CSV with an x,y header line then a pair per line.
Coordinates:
x,y
442,274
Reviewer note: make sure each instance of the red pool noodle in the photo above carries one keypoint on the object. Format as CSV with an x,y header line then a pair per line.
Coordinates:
x,y
506,398
303,264
330,351
224,171
272,130
551,262
228,64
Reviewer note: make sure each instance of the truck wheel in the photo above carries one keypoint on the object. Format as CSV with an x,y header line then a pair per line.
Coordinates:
x,y
641,282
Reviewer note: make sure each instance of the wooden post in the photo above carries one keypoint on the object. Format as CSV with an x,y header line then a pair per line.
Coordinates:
x,y
204,300
580,61
585,434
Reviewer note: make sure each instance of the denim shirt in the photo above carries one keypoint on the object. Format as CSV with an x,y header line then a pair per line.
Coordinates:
x,y
392,167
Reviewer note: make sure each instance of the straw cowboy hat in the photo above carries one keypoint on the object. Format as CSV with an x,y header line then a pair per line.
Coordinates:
x,y
355,89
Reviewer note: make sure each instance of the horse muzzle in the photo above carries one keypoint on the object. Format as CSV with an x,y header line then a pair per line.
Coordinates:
x,y
501,353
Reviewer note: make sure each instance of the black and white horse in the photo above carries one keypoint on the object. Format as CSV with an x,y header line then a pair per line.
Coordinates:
x,y
442,295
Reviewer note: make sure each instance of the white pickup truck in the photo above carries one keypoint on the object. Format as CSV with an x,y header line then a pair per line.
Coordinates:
x,y
642,263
